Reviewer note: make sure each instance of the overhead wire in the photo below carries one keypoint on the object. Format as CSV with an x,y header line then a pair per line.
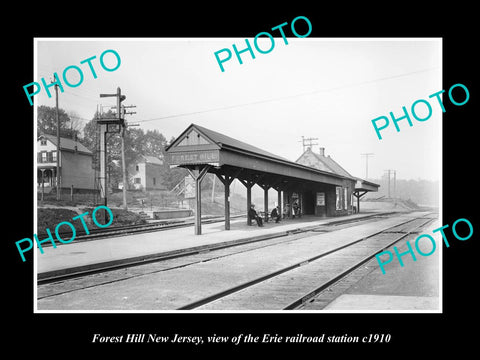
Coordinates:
x,y
285,97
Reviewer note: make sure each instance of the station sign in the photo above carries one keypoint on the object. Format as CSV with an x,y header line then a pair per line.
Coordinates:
x,y
320,199
189,188
194,157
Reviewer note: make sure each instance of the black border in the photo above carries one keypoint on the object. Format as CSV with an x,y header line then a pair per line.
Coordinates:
x,y
45,332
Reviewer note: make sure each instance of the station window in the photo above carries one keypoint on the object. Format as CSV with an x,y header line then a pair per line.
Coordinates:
x,y
345,198
338,202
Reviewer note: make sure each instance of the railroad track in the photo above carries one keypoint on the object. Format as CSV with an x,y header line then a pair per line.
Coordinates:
x,y
125,230
311,287
305,271
45,278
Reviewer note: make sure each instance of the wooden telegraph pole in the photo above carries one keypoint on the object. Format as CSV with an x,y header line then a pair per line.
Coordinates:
x,y
366,163
124,168
58,140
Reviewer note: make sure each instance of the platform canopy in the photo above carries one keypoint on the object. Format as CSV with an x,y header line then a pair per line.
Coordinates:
x,y
198,146
202,151
361,188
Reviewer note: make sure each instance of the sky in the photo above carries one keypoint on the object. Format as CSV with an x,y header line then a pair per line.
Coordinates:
x,y
325,88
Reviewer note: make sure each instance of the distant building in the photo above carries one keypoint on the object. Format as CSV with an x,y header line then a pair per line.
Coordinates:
x,y
321,162
344,195
341,194
145,174
76,163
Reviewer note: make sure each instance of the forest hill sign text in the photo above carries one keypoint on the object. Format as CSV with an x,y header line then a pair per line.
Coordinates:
x,y
194,157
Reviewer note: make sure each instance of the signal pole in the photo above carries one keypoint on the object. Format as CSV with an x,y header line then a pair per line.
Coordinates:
x,y
104,129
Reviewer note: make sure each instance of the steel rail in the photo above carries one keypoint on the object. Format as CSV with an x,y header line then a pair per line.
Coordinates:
x,y
45,278
305,298
125,230
234,289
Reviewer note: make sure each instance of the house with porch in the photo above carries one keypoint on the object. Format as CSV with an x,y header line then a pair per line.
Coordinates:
x,y
75,160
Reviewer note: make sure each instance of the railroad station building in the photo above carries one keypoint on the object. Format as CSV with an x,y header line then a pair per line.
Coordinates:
x,y
315,183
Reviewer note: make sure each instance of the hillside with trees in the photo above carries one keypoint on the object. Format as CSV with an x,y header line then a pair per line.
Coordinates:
x,y
137,142
420,191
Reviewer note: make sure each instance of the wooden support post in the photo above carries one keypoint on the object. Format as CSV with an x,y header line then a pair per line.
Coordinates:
x,y
279,201
198,176
43,185
198,207
249,203
265,202
248,184
227,202
358,196
226,182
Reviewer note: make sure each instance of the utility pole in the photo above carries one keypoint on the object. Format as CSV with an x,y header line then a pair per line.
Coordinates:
x,y
124,168
58,139
366,163
308,142
394,181
124,180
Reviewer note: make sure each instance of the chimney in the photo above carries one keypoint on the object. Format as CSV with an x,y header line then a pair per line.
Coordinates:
x,y
322,151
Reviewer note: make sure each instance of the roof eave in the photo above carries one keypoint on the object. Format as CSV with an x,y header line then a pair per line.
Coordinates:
x,y
287,162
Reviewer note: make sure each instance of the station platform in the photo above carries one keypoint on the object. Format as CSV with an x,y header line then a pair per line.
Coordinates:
x,y
417,286
88,255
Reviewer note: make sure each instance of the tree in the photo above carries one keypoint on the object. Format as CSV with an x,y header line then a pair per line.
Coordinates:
x,y
47,122
75,122
153,143
137,143
171,177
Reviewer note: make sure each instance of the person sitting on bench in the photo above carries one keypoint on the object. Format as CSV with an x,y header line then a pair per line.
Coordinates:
x,y
253,215
275,214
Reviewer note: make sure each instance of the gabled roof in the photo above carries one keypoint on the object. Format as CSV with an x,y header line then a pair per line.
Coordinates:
x,y
152,159
224,141
219,150
67,144
326,163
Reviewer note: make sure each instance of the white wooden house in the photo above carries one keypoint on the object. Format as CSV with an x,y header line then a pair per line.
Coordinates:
x,y
75,163
145,173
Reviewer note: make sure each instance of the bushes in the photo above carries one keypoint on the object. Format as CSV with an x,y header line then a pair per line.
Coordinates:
x,y
51,217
